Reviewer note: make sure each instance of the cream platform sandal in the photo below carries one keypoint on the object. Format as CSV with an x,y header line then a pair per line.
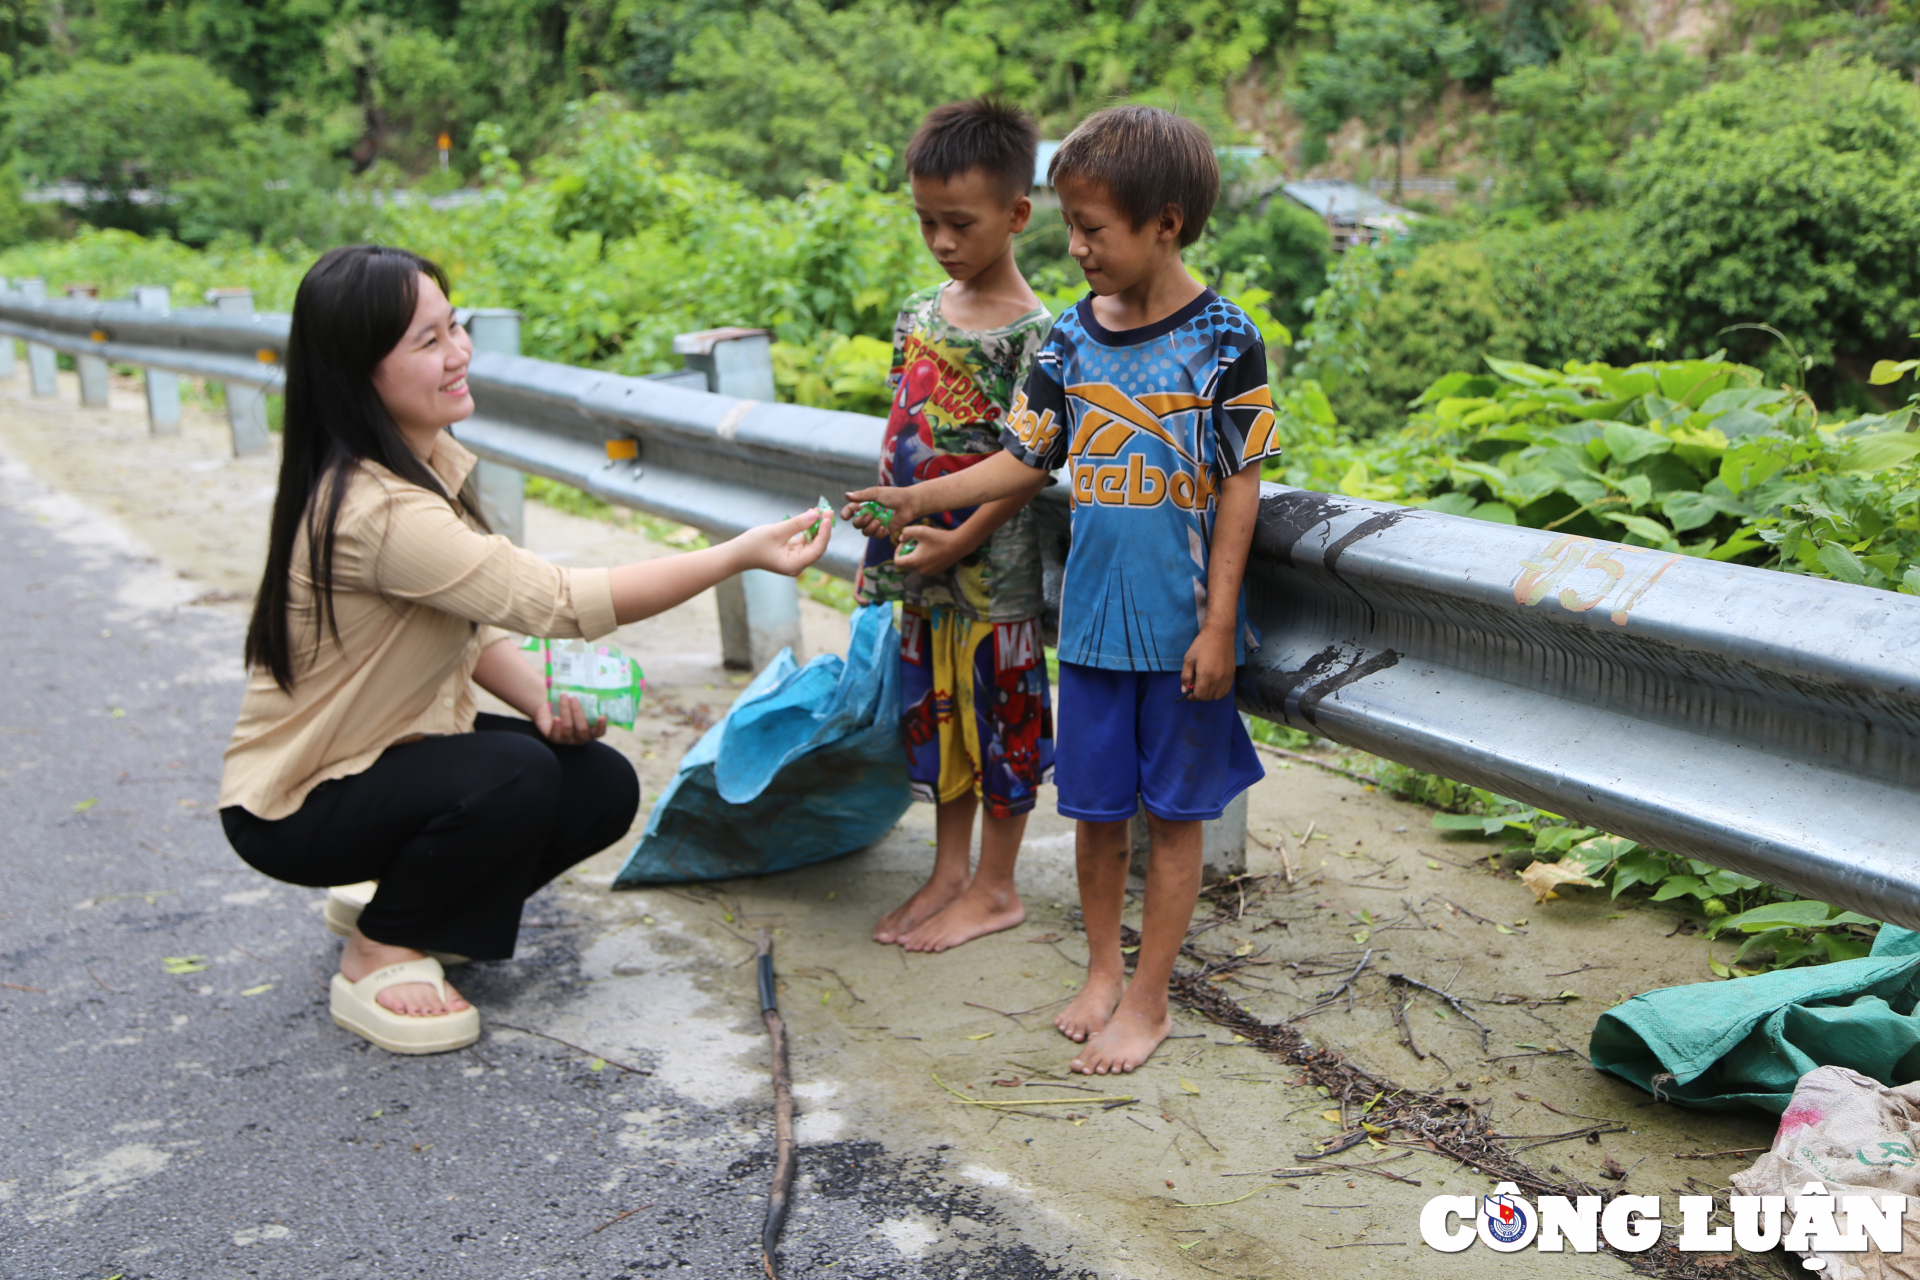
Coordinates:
x,y
355,1008
345,902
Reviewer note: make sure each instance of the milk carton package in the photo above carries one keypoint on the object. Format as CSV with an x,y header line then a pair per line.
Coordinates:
x,y
606,681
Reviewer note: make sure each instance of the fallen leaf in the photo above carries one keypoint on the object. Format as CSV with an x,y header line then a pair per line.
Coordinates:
x,y
1333,1116
984,1035
1244,949
117,712
260,990
1544,877
1500,928
1188,1086
596,1064
1612,1169
1189,1244
1432,865
832,894
86,804
183,964
825,996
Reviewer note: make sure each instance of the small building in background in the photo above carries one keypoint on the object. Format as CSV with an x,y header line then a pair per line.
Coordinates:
x,y
1353,214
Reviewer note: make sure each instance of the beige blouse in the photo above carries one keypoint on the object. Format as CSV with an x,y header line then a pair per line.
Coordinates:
x,y
418,592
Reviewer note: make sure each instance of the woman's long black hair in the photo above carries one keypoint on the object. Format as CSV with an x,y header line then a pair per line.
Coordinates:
x,y
352,309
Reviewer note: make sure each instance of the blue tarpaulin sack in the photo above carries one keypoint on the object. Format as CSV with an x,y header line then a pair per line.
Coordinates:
x,y
807,765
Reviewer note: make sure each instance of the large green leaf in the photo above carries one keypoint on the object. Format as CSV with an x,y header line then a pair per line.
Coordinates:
x,y
1688,510
1652,530
1842,563
1877,452
1788,915
1630,444
1742,422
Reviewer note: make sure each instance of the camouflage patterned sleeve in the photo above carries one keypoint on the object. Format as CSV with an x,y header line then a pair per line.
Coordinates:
x,y
1245,429
902,326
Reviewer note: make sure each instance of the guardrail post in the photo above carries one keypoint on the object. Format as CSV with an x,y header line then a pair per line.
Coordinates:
x,y
163,389
42,366
759,611
92,369
759,616
737,362
1223,843
503,490
246,406
6,343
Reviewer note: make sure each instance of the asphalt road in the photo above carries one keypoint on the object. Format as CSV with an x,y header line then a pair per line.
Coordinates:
x,y
213,1122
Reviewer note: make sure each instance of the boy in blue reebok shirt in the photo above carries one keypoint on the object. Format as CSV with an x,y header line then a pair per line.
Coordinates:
x,y
1152,393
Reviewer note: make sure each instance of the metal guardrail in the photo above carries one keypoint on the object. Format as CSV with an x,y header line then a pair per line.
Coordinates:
x,y
1764,722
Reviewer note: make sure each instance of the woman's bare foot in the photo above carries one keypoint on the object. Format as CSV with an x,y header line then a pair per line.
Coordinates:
x,y
973,914
362,956
927,902
1089,1011
1128,1039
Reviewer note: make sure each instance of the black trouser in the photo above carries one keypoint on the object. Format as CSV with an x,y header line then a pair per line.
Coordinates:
x,y
459,830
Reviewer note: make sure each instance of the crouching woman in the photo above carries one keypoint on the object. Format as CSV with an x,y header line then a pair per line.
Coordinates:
x,y
359,754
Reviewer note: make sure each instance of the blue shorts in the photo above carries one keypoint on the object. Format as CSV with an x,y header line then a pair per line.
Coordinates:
x,y
1124,737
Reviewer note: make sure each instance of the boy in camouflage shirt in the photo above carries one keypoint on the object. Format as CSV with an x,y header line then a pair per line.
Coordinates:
x,y
976,713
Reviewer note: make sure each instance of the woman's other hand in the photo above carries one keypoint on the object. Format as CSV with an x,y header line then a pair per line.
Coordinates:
x,y
935,550
567,726
784,547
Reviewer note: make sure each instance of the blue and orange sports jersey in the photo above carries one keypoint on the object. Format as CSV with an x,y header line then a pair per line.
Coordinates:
x,y
1148,422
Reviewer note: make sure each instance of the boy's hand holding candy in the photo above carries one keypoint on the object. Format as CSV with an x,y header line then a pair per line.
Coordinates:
x,y
881,512
927,549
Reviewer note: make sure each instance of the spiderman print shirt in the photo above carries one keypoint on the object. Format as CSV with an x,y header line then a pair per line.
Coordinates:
x,y
1148,422
951,389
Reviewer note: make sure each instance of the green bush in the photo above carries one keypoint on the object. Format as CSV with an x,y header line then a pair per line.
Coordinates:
x,y
1444,309
1578,287
1282,248
116,129
1560,127
775,97
1788,197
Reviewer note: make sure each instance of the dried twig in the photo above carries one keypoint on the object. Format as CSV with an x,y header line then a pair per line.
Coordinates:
x,y
1401,979
783,1152
843,982
1406,1031
591,1053
1708,1155
622,1217
1345,988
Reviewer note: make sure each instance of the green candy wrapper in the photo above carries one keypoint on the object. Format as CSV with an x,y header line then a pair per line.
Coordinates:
x,y
606,681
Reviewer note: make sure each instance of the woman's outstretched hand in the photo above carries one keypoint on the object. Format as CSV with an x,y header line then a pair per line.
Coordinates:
x,y
784,547
567,726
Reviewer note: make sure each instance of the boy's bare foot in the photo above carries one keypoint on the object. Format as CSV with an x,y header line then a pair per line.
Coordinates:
x,y
927,902
974,914
1089,1011
362,956
1129,1039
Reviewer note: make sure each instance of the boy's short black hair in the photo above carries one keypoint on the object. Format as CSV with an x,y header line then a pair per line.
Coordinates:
x,y
981,133
1147,159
